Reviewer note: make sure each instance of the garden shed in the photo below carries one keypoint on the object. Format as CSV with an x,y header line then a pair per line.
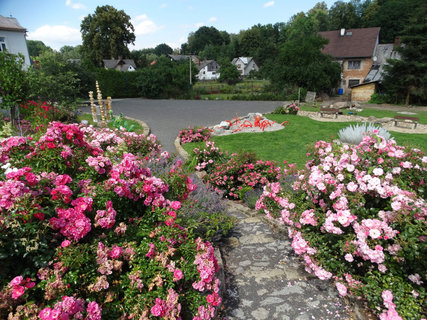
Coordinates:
x,y
363,92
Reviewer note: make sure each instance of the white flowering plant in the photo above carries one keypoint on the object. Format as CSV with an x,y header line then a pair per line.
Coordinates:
x,y
357,215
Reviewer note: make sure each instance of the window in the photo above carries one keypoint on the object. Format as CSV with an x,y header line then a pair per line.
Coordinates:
x,y
2,44
353,82
353,64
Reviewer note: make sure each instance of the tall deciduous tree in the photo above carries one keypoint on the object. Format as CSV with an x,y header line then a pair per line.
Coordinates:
x,y
406,79
300,63
36,47
106,34
343,15
206,36
162,49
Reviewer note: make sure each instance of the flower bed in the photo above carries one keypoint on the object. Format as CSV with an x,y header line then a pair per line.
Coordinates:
x,y
234,174
194,134
357,215
88,231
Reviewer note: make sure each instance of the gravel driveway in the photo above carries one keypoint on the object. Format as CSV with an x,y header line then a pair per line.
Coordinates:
x,y
167,117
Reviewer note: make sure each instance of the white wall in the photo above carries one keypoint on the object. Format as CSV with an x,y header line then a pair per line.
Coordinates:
x,y
16,43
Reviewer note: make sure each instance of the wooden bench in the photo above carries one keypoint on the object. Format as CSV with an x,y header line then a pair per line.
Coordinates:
x,y
413,120
329,111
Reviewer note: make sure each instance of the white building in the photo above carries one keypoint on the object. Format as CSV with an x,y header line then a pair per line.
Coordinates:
x,y
12,38
245,65
208,70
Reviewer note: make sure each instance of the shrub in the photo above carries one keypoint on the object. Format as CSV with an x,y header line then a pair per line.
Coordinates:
x,y
205,212
292,109
194,134
353,134
87,230
242,171
209,157
358,215
279,110
379,98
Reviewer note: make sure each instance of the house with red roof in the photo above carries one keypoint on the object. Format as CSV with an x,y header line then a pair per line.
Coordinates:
x,y
355,50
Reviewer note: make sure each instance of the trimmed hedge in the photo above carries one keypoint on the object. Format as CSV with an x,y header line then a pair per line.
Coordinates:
x,y
117,84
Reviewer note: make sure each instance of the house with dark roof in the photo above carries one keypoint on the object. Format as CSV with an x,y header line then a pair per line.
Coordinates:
x,y
119,64
245,65
12,38
183,57
355,50
371,83
208,70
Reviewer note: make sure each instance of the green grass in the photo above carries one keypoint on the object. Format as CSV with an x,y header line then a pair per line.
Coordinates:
x,y
293,142
86,116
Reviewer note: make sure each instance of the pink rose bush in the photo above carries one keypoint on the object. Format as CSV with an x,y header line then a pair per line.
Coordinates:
x,y
88,231
194,134
234,174
360,221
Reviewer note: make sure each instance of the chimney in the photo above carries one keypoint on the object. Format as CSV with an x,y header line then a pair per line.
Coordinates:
x,y
342,32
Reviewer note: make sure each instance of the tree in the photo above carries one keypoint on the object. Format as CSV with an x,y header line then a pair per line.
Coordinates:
x,y
70,52
300,63
343,15
391,15
162,49
106,34
406,79
205,36
228,72
52,81
13,82
36,47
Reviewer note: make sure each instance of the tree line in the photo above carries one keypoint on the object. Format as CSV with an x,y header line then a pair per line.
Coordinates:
x,y
288,53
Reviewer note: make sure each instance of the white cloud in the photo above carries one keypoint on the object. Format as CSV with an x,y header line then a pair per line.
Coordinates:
x,y
144,25
75,6
163,5
212,19
56,36
269,4
199,24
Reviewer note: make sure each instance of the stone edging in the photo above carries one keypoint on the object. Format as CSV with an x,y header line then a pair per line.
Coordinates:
x,y
145,128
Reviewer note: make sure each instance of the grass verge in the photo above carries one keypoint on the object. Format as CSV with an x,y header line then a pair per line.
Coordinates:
x,y
295,141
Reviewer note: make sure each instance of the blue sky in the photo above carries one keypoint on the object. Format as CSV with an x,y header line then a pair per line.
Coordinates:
x,y
57,22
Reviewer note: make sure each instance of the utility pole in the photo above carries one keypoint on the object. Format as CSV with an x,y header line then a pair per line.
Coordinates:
x,y
191,81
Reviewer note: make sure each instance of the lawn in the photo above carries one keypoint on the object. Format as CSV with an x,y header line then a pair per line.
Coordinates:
x,y
295,141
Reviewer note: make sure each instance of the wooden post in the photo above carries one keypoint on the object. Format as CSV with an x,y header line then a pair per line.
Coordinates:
x,y
109,108
92,107
100,104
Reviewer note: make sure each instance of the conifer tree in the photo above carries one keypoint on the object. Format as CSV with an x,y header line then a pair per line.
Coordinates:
x,y
406,79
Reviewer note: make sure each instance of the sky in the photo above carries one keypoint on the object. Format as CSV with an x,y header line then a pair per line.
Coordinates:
x,y
57,22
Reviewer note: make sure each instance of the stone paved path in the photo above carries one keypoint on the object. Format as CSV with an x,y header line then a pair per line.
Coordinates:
x,y
266,280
